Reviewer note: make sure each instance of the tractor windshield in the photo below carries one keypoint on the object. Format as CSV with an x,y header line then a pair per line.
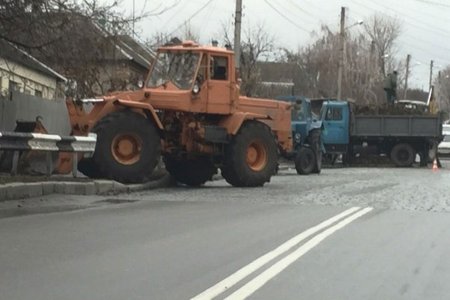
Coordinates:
x,y
176,67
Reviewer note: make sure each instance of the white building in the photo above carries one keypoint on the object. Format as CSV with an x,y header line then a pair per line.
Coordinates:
x,y
21,72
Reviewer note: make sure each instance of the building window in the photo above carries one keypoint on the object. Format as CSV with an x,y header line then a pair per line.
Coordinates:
x,y
38,93
14,86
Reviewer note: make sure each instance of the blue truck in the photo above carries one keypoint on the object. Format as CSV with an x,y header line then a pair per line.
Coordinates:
x,y
399,137
306,133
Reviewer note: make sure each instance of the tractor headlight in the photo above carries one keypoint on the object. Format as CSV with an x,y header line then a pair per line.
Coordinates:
x,y
196,88
297,137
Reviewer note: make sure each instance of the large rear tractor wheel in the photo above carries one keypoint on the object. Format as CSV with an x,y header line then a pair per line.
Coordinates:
x,y
403,155
128,147
251,158
192,172
305,161
316,146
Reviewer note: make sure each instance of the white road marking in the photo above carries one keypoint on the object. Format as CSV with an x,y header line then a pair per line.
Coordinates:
x,y
278,267
240,274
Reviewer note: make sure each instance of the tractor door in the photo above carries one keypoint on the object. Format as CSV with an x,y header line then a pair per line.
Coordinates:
x,y
219,87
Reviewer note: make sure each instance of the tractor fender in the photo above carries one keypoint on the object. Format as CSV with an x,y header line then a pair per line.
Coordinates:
x,y
146,107
233,122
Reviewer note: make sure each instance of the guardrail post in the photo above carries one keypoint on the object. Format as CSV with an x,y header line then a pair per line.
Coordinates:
x,y
49,163
75,164
15,162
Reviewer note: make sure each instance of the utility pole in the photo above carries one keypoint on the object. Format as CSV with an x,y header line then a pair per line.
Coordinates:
x,y
431,73
408,59
237,36
341,53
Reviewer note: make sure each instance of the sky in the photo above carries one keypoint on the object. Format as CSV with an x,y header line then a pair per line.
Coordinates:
x,y
425,24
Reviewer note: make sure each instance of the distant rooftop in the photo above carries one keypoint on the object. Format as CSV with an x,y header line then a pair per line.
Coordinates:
x,y
13,53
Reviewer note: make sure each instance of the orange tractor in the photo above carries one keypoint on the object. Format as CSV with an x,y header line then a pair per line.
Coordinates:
x,y
190,112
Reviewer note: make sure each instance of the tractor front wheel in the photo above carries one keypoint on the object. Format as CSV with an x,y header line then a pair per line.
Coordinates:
x,y
305,161
128,147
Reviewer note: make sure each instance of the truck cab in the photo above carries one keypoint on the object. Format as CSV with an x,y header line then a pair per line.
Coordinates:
x,y
306,132
302,117
335,116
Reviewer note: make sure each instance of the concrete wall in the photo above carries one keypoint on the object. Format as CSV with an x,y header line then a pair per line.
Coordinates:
x,y
26,107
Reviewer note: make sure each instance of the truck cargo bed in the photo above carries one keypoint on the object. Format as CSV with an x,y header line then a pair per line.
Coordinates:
x,y
397,126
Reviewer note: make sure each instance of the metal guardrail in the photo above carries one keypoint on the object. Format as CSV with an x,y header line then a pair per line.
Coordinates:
x,y
19,141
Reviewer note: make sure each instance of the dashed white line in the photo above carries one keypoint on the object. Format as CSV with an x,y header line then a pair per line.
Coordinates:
x,y
234,278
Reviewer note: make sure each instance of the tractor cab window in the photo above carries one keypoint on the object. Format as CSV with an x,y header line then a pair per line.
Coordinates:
x,y
202,71
218,68
177,68
334,114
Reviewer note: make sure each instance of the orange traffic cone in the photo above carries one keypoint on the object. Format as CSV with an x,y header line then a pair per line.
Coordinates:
x,y
435,166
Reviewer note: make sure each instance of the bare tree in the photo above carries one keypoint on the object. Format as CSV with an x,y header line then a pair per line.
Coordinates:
x,y
256,45
383,31
159,38
363,73
77,38
442,85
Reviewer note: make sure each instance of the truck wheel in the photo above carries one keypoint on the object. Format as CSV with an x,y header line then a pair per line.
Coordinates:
x,y
316,146
128,147
305,161
192,172
251,157
403,155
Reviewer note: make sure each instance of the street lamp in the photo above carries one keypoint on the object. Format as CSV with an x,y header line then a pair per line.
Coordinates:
x,y
359,22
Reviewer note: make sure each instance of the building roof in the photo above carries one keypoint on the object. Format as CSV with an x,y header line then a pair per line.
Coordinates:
x,y
13,53
136,51
129,48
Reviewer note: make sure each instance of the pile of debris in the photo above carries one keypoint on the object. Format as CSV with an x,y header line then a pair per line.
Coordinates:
x,y
396,109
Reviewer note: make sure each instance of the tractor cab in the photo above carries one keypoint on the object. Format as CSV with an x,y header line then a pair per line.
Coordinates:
x,y
193,78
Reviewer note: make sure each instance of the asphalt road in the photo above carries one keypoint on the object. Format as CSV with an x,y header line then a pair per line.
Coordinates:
x,y
361,233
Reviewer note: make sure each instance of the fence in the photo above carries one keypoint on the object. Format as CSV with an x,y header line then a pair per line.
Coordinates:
x,y
18,106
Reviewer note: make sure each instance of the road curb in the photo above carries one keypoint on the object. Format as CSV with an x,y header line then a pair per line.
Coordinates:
x,y
23,190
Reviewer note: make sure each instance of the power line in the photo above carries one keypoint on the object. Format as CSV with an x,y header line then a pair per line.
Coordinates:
x,y
414,24
191,17
301,9
209,12
172,17
434,3
284,16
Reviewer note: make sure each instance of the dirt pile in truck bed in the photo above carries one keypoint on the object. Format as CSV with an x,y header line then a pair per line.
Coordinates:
x,y
389,110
